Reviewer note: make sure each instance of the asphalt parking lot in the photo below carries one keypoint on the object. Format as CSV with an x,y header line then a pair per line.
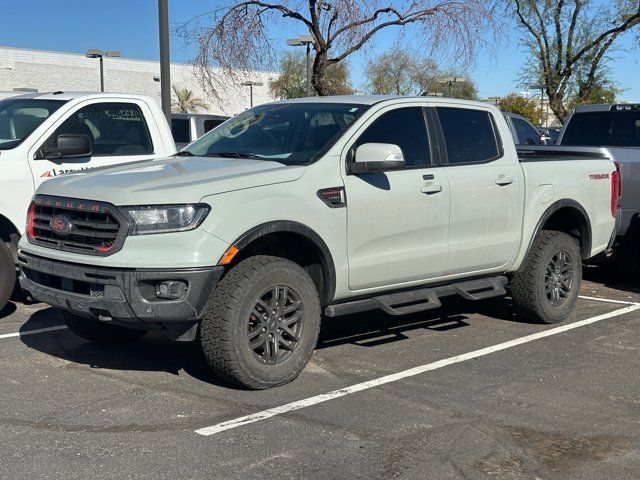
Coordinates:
x,y
464,392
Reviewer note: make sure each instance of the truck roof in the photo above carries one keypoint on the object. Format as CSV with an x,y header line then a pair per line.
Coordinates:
x,y
60,95
374,99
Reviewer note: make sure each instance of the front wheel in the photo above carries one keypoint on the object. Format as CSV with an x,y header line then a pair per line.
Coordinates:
x,y
546,287
262,323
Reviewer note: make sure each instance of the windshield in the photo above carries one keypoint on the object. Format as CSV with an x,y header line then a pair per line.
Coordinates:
x,y
615,129
289,133
20,117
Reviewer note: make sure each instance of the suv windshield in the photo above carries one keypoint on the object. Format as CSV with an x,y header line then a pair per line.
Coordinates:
x,y
20,117
610,128
289,133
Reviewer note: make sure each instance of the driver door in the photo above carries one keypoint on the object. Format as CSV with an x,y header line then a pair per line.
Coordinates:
x,y
397,221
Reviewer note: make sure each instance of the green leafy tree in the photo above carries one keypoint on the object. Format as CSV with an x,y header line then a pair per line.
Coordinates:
x,y
602,92
520,105
185,102
568,43
292,80
400,72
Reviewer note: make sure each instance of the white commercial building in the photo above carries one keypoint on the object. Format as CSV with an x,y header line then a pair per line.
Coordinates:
x,y
45,71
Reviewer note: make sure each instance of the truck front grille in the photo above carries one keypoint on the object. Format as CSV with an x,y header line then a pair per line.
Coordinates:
x,y
72,225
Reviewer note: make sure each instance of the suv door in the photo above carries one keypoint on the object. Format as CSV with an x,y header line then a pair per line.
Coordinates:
x,y
118,133
397,220
486,191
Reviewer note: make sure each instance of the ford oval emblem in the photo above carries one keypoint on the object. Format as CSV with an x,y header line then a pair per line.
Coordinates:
x,y
61,225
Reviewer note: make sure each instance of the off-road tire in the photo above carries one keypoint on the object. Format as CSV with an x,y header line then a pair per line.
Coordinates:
x,y
7,274
99,332
224,331
528,284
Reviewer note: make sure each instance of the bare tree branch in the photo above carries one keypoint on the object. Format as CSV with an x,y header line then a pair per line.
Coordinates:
x,y
236,37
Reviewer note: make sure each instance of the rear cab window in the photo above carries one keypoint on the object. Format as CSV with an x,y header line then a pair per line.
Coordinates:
x,y
612,128
211,124
180,130
470,136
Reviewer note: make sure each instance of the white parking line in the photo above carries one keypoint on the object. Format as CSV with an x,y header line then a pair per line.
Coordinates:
x,y
32,332
307,402
607,300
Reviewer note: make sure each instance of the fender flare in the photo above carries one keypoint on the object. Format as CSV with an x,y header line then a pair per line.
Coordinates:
x,y
288,226
585,246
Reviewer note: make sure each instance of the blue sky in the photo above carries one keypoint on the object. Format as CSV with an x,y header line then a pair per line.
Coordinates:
x,y
131,27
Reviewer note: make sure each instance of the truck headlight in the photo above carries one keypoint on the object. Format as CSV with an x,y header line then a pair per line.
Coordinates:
x,y
149,219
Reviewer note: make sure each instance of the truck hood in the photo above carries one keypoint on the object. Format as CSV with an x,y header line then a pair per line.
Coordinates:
x,y
170,180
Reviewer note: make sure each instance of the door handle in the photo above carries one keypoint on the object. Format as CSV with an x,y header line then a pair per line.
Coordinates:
x,y
504,180
431,188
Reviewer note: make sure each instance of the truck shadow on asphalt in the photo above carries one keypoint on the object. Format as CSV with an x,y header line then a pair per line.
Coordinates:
x,y
610,277
8,309
155,353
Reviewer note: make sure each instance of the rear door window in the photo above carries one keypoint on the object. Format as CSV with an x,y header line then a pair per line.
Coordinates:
x,y
616,129
469,135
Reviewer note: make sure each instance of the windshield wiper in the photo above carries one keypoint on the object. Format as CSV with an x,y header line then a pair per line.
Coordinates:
x,y
235,155
184,153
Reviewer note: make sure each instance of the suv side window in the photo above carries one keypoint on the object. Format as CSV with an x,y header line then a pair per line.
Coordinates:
x,y
113,129
404,127
468,135
526,134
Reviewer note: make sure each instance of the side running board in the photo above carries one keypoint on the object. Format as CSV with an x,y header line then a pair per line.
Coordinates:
x,y
412,301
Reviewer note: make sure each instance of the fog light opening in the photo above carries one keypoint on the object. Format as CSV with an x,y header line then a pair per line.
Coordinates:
x,y
171,289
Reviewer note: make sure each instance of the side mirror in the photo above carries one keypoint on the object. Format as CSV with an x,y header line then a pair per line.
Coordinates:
x,y
67,146
377,157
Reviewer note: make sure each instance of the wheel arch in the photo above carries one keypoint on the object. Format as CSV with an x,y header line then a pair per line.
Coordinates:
x,y
294,241
570,217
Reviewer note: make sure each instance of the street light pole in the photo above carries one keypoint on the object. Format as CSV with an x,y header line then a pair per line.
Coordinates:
x,y
100,54
307,41
251,84
451,80
165,70
308,70
101,74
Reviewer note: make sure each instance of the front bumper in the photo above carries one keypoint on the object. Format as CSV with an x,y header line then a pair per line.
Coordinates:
x,y
117,294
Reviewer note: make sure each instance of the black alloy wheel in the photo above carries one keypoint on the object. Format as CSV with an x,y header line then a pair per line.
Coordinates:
x,y
275,324
558,279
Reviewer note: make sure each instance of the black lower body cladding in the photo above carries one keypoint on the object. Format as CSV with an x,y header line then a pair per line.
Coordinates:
x,y
119,295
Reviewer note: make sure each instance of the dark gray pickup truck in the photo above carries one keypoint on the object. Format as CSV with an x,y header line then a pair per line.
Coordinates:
x,y
613,130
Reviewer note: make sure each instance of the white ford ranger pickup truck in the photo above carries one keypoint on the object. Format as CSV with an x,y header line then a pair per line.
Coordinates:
x,y
314,207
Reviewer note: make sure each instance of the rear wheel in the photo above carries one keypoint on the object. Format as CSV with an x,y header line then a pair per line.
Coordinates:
x,y
262,323
96,331
546,287
7,274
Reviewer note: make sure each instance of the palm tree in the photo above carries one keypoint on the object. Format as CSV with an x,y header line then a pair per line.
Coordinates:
x,y
185,102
